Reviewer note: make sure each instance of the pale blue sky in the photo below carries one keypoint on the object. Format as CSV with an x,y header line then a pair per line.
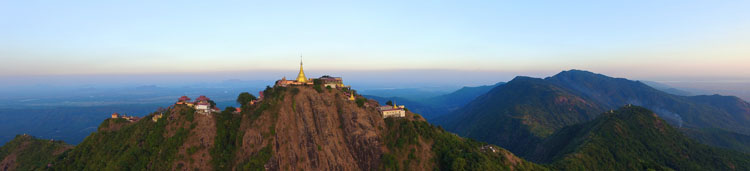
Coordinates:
x,y
637,39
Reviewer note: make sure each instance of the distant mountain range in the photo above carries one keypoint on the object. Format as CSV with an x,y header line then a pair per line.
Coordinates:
x,y
439,105
524,111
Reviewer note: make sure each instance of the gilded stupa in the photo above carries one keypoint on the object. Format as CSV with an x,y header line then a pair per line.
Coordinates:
x,y
301,76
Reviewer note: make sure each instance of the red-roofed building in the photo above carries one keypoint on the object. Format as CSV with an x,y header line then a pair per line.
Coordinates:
x,y
202,105
252,102
115,115
202,98
183,100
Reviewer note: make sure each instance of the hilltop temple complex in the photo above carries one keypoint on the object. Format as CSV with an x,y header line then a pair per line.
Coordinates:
x,y
326,80
204,105
337,83
301,79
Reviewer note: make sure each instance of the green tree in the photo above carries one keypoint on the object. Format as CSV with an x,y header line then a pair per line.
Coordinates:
x,y
389,103
458,164
244,98
360,102
318,88
295,91
317,81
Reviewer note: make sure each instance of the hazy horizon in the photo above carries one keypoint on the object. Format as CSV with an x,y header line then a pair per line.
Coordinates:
x,y
436,81
367,78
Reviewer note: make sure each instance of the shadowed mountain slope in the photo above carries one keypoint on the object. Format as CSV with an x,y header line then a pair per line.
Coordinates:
x,y
632,138
724,112
521,113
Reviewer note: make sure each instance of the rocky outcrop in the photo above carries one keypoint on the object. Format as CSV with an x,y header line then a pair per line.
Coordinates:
x,y
316,131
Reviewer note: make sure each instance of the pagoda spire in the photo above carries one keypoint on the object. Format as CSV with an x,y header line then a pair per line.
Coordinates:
x,y
301,76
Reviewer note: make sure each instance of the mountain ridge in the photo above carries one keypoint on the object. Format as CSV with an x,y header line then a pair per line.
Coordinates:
x,y
576,96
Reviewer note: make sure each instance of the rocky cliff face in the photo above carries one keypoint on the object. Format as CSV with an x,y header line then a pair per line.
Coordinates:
x,y
314,131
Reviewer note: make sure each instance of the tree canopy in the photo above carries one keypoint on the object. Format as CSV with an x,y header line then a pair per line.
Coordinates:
x,y
244,98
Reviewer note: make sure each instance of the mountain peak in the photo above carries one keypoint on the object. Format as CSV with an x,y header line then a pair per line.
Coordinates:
x,y
577,73
524,79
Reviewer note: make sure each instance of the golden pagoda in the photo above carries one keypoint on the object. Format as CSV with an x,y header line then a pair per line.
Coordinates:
x,y
301,76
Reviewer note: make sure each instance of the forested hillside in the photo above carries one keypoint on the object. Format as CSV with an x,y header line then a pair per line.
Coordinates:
x,y
297,127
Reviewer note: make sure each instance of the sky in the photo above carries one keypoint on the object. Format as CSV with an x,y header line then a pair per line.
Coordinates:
x,y
667,40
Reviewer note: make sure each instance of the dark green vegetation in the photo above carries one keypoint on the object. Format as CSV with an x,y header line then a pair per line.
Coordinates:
x,y
258,160
244,98
70,124
318,85
720,138
142,145
227,139
632,138
360,101
521,113
33,153
450,152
